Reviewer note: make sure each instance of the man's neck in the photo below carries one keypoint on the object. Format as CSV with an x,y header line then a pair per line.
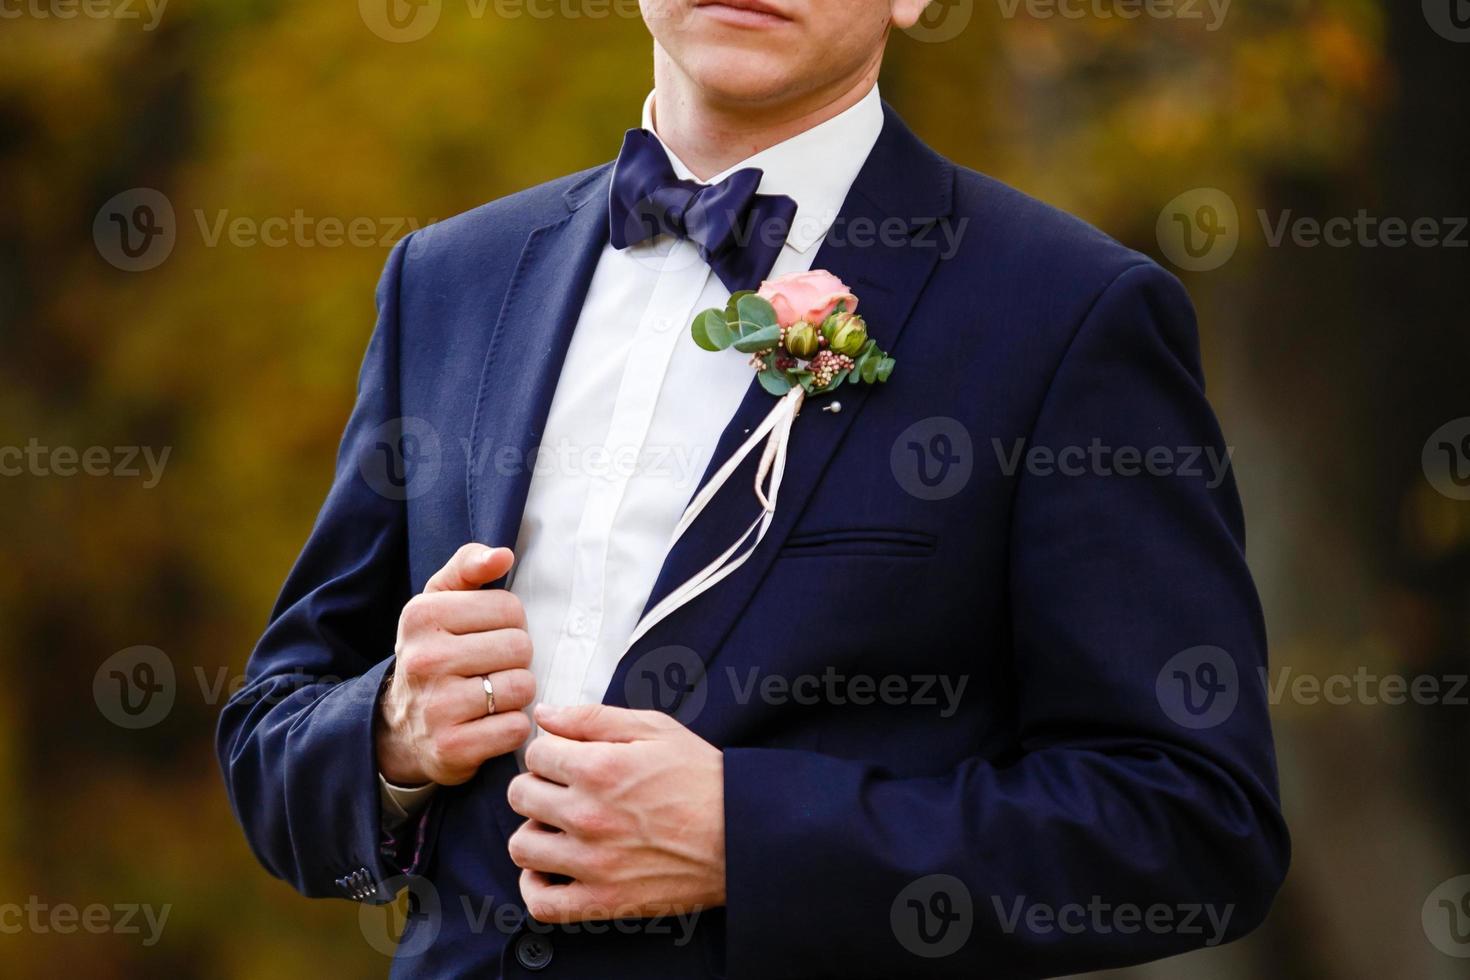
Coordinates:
x,y
711,138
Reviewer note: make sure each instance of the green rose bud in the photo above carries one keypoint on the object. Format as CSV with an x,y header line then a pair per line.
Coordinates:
x,y
846,333
833,321
802,340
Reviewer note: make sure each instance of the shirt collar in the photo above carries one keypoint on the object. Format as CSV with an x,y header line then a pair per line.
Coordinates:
x,y
816,168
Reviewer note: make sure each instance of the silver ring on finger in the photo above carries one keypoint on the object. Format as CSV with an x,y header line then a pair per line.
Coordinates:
x,y
489,695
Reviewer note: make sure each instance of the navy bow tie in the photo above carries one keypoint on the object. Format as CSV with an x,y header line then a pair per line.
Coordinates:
x,y
737,231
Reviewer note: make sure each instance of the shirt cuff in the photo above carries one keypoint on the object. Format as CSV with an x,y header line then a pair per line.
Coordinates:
x,y
402,803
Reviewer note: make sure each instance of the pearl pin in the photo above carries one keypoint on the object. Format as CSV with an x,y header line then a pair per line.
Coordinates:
x,y
834,408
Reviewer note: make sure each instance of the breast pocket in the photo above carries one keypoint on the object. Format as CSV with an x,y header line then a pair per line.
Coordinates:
x,y
876,541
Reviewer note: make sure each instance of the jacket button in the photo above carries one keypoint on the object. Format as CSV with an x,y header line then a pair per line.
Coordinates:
x,y
533,952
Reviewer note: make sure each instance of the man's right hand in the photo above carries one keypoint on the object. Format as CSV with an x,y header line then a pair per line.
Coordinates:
x,y
432,724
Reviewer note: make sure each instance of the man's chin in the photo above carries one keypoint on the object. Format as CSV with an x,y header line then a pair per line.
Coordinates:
x,y
746,75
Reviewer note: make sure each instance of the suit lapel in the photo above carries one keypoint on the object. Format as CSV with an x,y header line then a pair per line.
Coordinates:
x,y
904,185
525,356
522,364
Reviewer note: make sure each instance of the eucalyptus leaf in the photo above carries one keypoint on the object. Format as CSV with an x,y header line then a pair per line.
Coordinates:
x,y
755,313
870,369
775,381
761,339
735,299
711,332
732,314
885,368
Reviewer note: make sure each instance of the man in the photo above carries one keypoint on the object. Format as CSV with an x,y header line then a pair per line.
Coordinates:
x,y
940,721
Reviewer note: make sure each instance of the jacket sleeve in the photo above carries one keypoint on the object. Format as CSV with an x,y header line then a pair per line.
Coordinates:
x,y
1141,817
296,741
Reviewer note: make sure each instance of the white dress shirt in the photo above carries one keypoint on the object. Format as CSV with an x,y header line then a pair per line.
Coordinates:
x,y
636,416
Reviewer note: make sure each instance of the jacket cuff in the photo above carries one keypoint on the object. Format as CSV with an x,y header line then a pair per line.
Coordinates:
x,y
351,710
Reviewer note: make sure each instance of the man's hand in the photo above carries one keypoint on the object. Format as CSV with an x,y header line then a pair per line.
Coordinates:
x,y
433,725
629,804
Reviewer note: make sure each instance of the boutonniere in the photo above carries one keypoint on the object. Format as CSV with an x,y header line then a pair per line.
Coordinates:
x,y
804,338
801,330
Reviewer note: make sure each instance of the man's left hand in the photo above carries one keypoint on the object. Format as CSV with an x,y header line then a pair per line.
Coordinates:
x,y
629,805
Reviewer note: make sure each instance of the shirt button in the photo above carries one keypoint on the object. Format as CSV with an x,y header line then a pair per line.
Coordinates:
x,y
533,952
578,625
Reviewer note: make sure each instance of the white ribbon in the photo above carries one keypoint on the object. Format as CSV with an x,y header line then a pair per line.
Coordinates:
x,y
775,430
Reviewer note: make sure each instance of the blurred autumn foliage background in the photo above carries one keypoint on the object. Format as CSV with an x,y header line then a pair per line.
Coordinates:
x,y
1330,366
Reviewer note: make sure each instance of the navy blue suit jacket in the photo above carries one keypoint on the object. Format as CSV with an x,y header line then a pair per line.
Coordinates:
x,y
1110,745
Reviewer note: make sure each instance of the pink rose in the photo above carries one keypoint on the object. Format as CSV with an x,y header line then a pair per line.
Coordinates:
x,y
809,296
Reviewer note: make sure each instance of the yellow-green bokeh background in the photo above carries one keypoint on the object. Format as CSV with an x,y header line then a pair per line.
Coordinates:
x,y
1329,368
